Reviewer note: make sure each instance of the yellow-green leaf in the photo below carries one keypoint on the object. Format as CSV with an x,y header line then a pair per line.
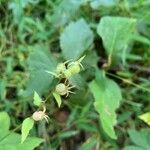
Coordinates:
x,y
57,98
27,125
37,99
4,121
145,117
107,96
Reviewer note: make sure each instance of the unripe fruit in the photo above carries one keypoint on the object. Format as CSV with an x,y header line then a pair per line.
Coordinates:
x,y
38,115
67,73
61,89
60,68
74,68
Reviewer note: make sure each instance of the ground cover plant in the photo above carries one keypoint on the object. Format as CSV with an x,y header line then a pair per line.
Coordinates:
x,y
74,74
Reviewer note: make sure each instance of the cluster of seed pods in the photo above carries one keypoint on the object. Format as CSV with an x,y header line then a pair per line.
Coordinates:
x,y
63,71
67,70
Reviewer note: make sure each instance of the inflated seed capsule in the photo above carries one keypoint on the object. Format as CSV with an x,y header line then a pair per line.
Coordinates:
x,y
38,115
74,68
61,89
67,73
60,68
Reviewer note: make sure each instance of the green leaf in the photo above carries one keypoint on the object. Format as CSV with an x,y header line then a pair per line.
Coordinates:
x,y
37,99
76,38
12,142
57,98
68,134
8,147
86,126
27,125
145,117
116,34
30,144
64,12
4,121
2,89
89,144
40,61
107,96
140,139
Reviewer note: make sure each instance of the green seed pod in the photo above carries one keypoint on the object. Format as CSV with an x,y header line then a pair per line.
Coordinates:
x,y
74,68
67,74
61,89
38,115
60,68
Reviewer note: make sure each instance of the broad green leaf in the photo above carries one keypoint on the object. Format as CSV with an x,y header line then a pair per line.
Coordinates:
x,y
37,99
57,98
140,139
12,142
146,118
116,34
30,144
4,121
40,61
107,96
27,125
8,147
76,38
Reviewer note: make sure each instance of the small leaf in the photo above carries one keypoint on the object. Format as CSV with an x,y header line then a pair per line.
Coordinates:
x,y
37,100
146,118
68,134
76,38
107,96
57,98
4,121
27,125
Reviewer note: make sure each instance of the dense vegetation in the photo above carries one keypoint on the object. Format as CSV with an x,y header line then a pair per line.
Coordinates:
x,y
74,74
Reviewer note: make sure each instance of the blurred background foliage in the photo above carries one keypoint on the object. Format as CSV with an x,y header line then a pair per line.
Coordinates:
x,y
32,36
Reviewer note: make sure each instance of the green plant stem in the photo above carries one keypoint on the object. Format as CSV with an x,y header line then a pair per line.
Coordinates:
x,y
128,81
